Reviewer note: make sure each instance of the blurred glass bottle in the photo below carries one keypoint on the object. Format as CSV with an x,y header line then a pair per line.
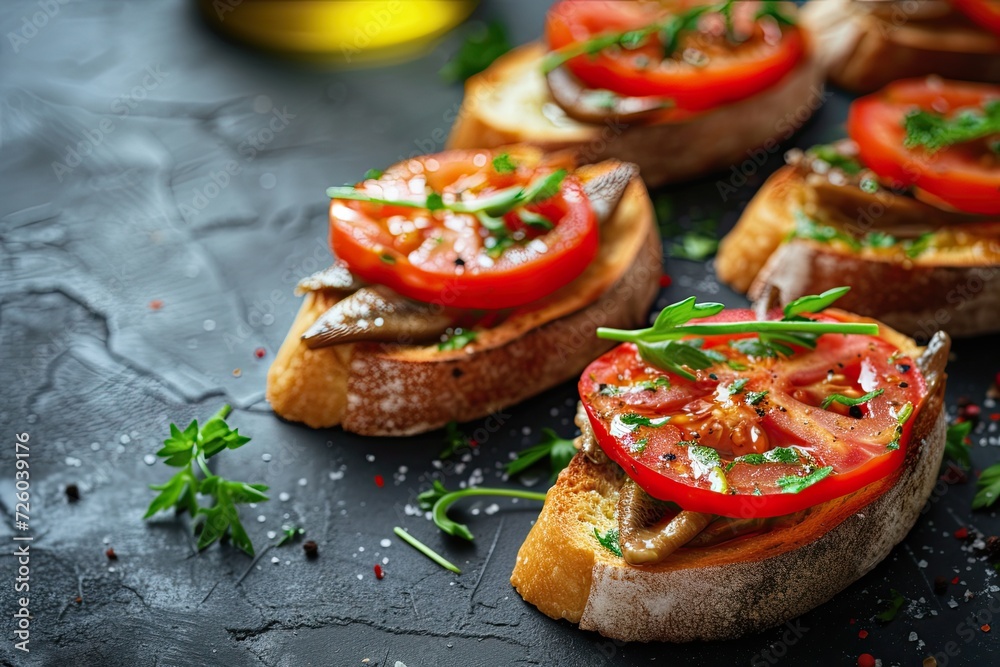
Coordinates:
x,y
348,31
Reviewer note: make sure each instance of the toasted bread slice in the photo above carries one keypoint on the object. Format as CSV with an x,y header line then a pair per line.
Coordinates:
x,y
867,44
380,389
952,285
510,102
737,587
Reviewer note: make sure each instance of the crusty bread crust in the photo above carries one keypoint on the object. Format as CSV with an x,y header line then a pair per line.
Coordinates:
x,y
956,291
510,103
864,52
376,389
739,587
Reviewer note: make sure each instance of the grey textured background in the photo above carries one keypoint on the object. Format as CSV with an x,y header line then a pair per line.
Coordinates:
x,y
95,375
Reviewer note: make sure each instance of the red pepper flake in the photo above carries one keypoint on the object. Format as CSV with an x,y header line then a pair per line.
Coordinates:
x,y
378,571
379,481
985,628
866,660
962,533
863,634
110,553
259,352
155,304
995,416
851,621
78,599
473,443
970,413
954,581
665,281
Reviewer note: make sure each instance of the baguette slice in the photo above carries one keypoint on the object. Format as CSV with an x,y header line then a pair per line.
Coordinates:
x,y
380,389
738,587
955,288
510,102
867,44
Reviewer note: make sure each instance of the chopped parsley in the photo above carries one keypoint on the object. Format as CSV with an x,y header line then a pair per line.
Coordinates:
x,y
609,540
895,605
457,340
755,397
635,421
795,484
829,154
503,164
705,456
737,386
374,174
454,441
640,446
987,487
653,385
932,131
695,246
848,401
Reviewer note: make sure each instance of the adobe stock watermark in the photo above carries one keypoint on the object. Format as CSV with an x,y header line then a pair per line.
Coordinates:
x,y
31,25
121,107
784,128
250,146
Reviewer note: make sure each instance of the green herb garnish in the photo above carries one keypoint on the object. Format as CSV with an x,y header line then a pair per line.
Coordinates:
x,y
955,447
190,450
695,246
454,441
438,499
772,9
755,397
484,44
895,605
373,174
635,421
660,345
830,155
425,550
987,487
503,164
609,540
737,386
795,484
291,534
653,385
932,131
902,418
558,451
916,247
457,340
848,401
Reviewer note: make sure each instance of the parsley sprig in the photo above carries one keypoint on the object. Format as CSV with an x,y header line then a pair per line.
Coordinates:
x,y
933,131
661,344
190,450
558,451
954,445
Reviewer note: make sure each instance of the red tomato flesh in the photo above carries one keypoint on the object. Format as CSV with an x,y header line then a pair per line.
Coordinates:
x,y
708,69
689,451
965,176
449,258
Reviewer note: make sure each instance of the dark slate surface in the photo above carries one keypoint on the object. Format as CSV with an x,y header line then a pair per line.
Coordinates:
x,y
95,375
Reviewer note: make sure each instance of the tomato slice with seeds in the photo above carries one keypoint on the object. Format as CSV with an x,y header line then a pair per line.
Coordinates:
x,y
708,69
984,12
965,176
755,442
452,258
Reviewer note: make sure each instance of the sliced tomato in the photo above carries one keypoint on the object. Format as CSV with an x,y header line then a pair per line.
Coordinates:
x,y
984,12
450,258
719,444
965,176
708,70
